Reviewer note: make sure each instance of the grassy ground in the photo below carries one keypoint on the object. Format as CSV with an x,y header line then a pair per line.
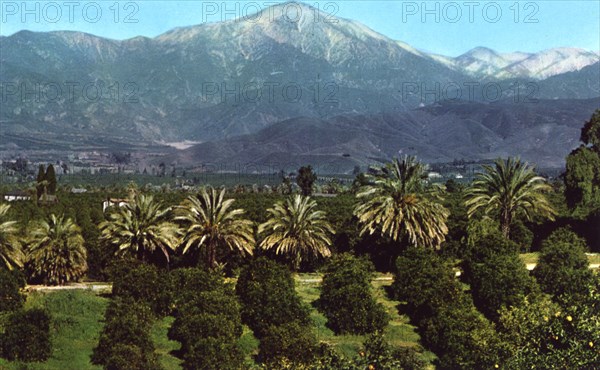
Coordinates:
x,y
533,257
77,321
164,346
76,324
399,332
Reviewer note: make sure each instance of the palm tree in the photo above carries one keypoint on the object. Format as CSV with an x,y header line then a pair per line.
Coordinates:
x,y
210,222
56,252
399,204
510,188
296,228
141,227
10,249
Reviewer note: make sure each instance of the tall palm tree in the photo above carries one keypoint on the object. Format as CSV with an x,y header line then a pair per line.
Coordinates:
x,y
296,228
509,188
56,252
10,248
398,203
141,227
209,222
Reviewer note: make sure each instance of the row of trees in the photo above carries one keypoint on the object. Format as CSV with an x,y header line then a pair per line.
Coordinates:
x,y
396,203
209,313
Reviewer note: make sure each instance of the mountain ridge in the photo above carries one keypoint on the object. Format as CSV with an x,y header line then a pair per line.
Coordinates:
x,y
215,81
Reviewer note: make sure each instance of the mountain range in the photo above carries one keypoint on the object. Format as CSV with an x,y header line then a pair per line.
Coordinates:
x,y
235,83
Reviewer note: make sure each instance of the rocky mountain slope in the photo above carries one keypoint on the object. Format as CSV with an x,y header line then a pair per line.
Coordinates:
x,y
222,80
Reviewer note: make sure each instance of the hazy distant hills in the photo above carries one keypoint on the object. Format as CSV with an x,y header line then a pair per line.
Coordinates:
x,y
215,82
542,132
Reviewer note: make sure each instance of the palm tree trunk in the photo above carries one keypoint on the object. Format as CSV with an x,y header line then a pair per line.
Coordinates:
x,y
505,221
211,255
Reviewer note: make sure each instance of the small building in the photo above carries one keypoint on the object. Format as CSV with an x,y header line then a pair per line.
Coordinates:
x,y
78,190
434,175
48,199
113,202
15,195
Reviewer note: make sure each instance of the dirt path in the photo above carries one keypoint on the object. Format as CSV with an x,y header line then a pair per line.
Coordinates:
x,y
105,286
95,286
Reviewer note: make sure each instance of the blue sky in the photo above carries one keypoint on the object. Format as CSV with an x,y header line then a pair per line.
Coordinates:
x,y
445,27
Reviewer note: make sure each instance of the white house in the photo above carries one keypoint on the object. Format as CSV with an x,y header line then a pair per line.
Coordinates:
x,y
113,202
12,196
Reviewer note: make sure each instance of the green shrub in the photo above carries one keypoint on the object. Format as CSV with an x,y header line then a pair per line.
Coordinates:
x,y
209,353
131,357
543,335
346,297
461,337
498,277
186,283
144,283
207,320
268,297
26,336
562,268
11,283
449,324
127,322
292,341
424,281
378,353
521,235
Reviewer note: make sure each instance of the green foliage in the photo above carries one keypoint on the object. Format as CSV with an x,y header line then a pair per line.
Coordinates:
x,y
186,283
50,177
520,234
509,189
382,356
146,284
296,228
582,180
11,254
57,254
207,321
26,336
11,283
130,357
376,354
462,337
590,132
457,223
141,228
346,297
209,222
268,297
582,177
449,324
305,179
424,281
127,323
40,181
398,205
544,335
498,277
562,268
292,341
